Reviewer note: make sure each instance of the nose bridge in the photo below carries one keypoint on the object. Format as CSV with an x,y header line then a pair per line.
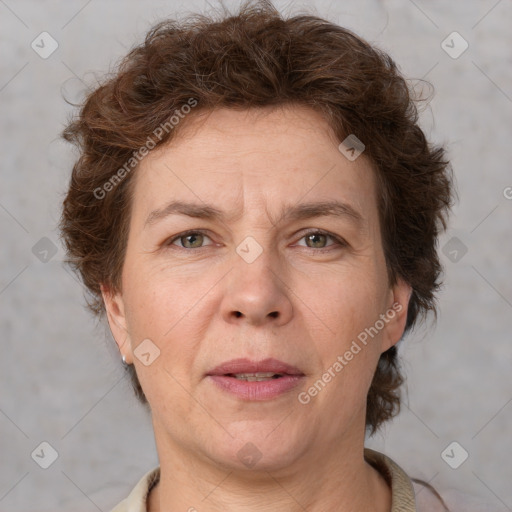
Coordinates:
x,y
257,258
256,290
257,237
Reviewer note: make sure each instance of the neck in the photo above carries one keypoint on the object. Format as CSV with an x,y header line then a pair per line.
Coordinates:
x,y
335,482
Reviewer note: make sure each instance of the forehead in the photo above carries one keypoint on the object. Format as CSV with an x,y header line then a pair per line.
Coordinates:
x,y
264,158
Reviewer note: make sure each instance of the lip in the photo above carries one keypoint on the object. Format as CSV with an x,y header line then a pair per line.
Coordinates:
x,y
248,366
256,390
262,390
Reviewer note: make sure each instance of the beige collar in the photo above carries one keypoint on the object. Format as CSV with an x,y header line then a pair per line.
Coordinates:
x,y
402,491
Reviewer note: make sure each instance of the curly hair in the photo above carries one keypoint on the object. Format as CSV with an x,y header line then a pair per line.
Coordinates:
x,y
258,58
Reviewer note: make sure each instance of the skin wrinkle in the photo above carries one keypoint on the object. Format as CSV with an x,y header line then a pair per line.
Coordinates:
x,y
312,454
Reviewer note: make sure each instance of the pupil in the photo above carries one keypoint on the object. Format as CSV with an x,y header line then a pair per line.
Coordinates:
x,y
192,237
315,236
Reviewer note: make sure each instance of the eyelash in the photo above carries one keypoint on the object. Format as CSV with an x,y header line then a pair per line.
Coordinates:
x,y
338,241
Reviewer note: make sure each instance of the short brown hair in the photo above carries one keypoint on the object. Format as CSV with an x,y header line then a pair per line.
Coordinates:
x,y
258,58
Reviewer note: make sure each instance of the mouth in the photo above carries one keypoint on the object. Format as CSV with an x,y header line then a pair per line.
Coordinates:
x,y
246,369
255,377
252,380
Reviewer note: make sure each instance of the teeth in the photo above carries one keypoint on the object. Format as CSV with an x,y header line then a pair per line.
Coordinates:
x,y
256,377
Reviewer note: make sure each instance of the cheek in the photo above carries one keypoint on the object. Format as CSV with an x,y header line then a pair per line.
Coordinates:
x,y
352,300
163,308
163,316
156,300
350,305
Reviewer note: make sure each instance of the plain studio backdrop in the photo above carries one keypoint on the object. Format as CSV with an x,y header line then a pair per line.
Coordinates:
x,y
61,379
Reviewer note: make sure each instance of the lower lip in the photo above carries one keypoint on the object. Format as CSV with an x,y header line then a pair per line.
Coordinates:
x,y
256,390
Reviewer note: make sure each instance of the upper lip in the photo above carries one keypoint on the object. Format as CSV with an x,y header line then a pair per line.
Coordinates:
x,y
247,366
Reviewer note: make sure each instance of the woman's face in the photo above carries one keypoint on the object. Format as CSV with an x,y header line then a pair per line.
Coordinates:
x,y
254,282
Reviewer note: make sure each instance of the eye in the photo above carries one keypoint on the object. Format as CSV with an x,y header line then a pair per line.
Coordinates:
x,y
314,240
318,238
192,239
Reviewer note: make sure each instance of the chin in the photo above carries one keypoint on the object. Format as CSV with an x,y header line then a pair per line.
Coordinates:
x,y
258,451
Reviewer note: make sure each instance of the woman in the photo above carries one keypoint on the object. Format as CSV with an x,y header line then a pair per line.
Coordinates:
x,y
255,210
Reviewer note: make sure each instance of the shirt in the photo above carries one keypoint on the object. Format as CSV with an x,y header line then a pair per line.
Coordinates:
x,y
406,495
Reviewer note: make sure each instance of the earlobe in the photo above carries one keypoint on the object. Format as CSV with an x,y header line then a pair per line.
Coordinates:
x,y
397,313
115,310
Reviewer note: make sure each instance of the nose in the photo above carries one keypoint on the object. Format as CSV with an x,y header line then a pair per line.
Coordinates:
x,y
257,292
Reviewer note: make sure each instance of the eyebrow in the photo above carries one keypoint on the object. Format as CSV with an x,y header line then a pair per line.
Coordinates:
x,y
288,212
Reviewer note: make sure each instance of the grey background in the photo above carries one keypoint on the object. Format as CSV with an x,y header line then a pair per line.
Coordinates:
x,y
60,376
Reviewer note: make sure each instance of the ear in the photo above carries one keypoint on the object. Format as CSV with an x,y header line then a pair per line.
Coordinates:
x,y
116,316
396,313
